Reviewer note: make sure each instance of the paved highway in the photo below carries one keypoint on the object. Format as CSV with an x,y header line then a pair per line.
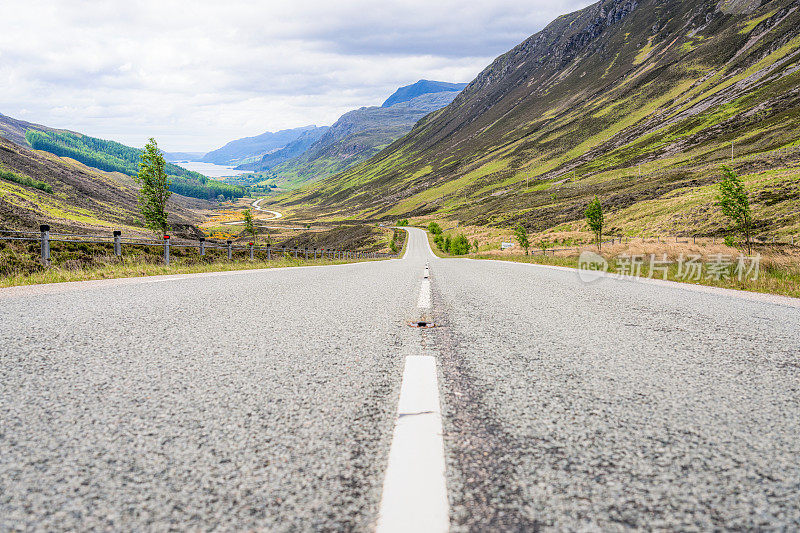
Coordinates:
x,y
270,400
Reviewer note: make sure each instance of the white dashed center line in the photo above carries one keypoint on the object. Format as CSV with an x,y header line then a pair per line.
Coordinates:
x,y
415,486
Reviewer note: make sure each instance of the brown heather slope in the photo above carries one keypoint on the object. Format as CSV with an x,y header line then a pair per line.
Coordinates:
x,y
83,199
635,101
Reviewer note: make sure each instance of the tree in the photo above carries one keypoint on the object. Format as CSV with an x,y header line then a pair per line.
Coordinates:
x,y
249,227
475,245
154,191
522,237
735,204
594,215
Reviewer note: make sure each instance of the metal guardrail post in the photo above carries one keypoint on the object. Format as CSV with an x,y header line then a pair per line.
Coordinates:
x,y
295,252
230,251
117,243
251,250
202,246
45,229
166,250
269,254
315,254
305,250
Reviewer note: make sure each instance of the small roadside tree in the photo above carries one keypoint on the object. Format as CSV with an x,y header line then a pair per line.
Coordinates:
x,y
735,204
434,228
154,191
249,227
522,237
475,246
594,215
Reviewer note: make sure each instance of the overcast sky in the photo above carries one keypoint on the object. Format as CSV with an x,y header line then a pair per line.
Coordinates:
x,y
198,74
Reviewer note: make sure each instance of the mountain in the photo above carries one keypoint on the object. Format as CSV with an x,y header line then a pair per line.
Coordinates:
x,y
404,94
241,150
293,149
356,135
37,187
14,129
635,101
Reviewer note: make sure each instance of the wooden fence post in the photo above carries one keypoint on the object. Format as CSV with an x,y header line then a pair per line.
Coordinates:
x,y
45,229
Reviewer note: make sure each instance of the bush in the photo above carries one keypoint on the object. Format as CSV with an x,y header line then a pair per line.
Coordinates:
x,y
434,228
403,222
730,241
458,245
25,180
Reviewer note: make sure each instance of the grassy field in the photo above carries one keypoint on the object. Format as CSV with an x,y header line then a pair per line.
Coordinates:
x,y
778,264
775,275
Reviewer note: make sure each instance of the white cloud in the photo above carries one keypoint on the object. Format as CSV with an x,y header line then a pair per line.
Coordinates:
x,y
198,74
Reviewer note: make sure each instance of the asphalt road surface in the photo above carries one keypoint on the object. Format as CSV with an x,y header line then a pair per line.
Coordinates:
x,y
267,400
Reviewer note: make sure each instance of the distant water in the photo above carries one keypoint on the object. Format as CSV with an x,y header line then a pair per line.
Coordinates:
x,y
210,169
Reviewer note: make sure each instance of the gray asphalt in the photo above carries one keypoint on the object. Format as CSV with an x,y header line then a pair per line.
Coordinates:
x,y
615,405
251,400
265,400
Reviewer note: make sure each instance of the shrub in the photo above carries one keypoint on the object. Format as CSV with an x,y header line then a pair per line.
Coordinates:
x,y
459,245
522,237
26,181
730,241
434,228
403,222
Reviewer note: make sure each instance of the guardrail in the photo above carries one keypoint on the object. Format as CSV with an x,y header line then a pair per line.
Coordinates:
x,y
45,237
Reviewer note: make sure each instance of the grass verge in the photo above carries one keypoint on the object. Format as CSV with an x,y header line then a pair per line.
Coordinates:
x,y
775,276
139,269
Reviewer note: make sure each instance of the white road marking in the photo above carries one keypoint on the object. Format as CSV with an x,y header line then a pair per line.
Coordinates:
x,y
424,301
415,487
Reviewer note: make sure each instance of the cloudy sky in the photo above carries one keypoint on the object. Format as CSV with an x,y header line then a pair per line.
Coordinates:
x,y
196,74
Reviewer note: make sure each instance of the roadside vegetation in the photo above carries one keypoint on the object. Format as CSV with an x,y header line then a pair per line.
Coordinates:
x,y
19,264
453,245
778,272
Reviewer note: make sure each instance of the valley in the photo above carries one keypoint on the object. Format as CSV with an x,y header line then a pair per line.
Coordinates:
x,y
283,287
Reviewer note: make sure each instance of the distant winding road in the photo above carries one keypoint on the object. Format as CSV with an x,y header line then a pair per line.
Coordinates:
x,y
275,214
271,400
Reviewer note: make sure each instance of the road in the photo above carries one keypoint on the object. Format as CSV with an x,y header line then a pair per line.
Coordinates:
x,y
268,400
275,214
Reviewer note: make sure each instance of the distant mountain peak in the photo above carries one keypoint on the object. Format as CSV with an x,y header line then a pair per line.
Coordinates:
x,y
404,94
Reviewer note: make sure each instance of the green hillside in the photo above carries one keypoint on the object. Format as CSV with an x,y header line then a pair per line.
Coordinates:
x,y
636,102
37,187
111,156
